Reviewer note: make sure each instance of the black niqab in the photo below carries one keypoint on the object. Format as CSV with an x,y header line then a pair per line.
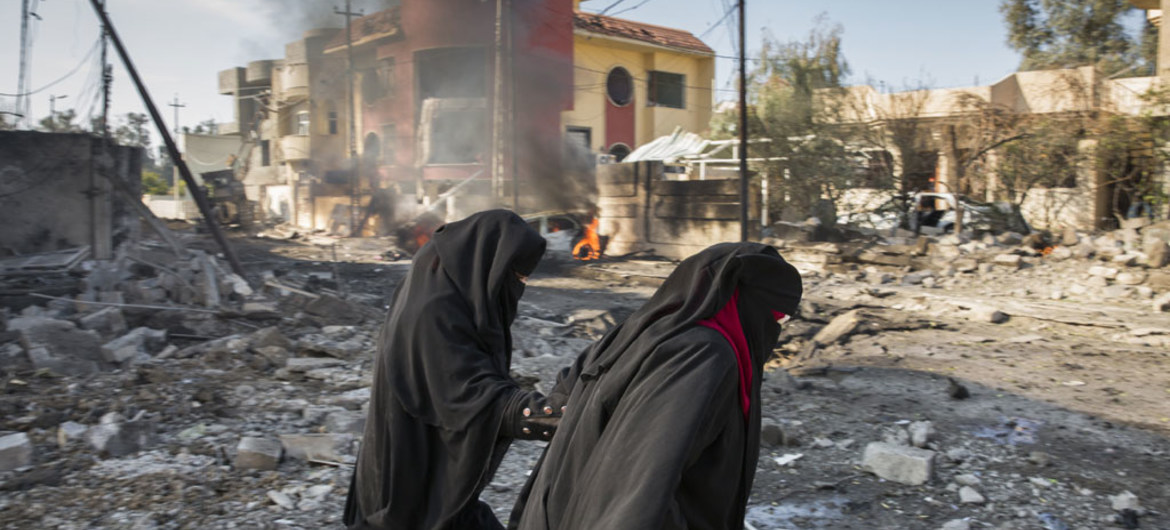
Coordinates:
x,y
654,435
441,379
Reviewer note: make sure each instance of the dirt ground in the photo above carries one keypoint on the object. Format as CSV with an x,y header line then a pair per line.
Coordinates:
x,y
1067,408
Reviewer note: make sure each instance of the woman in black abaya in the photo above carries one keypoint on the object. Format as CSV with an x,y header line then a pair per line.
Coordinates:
x,y
443,409
662,426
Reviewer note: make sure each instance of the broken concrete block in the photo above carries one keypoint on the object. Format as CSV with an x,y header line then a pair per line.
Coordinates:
x,y
1108,273
345,422
902,464
917,278
327,447
16,451
235,285
207,282
115,437
1125,501
347,349
1157,253
1126,260
968,495
140,341
1131,278
258,453
920,433
956,524
839,328
1060,253
260,310
334,310
58,345
966,265
1162,303
1011,261
1009,239
304,364
69,431
108,322
270,336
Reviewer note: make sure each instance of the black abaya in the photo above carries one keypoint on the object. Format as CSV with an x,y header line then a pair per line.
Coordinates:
x,y
655,435
443,408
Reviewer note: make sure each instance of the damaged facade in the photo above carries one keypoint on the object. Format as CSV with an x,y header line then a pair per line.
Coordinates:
x,y
425,96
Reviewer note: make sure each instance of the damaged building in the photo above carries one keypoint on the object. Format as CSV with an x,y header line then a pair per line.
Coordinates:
x,y
576,86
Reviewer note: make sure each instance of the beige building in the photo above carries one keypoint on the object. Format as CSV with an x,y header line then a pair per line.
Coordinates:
x,y
960,134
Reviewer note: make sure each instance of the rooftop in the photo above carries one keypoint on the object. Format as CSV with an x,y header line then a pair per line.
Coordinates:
x,y
370,28
649,33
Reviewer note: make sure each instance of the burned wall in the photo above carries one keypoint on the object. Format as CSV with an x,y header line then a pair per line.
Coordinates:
x,y
642,210
54,193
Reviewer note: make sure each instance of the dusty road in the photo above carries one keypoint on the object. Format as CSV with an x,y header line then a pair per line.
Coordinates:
x,y
1067,408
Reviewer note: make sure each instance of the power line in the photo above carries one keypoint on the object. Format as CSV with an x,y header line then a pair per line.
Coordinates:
x,y
64,77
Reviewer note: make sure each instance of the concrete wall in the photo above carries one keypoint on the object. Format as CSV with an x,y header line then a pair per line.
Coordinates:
x,y
53,195
642,211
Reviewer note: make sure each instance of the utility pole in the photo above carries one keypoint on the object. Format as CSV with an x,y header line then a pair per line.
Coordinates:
x,y
498,111
53,111
174,164
743,124
355,182
107,80
22,91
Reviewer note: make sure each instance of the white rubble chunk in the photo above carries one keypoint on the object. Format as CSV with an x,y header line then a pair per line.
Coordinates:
x,y
902,464
16,451
258,453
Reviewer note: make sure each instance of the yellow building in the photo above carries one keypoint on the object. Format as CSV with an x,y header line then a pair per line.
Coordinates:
x,y
635,82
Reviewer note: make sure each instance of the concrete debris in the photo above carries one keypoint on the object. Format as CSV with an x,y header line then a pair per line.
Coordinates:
x,y
108,322
115,436
987,314
1125,501
1011,261
921,433
16,451
136,345
967,479
969,495
956,524
258,453
898,463
281,499
58,345
345,422
839,328
69,431
333,310
1161,304
1108,273
323,447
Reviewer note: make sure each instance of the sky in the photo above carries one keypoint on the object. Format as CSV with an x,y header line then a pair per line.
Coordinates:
x,y
179,46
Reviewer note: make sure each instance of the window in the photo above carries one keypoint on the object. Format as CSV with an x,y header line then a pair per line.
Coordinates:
x,y
667,90
620,151
332,118
459,137
619,86
451,73
265,154
302,123
579,146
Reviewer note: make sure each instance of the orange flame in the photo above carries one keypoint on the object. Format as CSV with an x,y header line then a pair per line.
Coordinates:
x,y
1047,250
589,247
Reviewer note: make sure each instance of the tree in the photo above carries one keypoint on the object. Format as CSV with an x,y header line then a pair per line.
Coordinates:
x,y
1053,34
62,122
153,184
810,162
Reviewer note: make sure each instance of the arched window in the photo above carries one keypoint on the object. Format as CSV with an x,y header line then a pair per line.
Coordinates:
x,y
619,86
619,151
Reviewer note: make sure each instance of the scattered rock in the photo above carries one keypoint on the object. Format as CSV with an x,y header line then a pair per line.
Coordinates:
x,y
967,479
920,433
116,437
345,422
1157,253
258,453
1108,273
1060,253
968,495
108,322
270,336
987,314
325,447
902,464
140,342
1011,261
16,451
281,499
69,431
1162,303
334,310
58,345
839,328
1039,458
1125,501
304,364
956,524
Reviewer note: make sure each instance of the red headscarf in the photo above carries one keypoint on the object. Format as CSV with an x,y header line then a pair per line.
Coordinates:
x,y
727,323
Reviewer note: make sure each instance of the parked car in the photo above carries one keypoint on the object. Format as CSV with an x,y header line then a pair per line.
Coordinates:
x,y
937,211
560,229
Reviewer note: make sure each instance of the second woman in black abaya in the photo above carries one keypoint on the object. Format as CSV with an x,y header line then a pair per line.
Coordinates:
x,y
443,408
663,419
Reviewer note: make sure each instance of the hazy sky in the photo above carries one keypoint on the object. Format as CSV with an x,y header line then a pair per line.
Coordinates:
x,y
180,45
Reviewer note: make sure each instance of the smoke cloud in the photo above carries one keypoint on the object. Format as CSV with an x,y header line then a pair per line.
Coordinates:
x,y
302,15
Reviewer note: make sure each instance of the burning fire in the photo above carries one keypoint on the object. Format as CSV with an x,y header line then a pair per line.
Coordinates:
x,y
589,247
1046,251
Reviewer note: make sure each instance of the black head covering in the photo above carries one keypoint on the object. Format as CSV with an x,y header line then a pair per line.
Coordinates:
x,y
469,272
699,288
630,444
441,379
